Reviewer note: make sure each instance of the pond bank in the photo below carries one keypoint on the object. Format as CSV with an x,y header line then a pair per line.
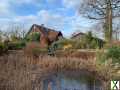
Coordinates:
x,y
19,72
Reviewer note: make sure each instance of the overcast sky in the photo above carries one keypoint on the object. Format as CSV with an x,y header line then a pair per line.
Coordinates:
x,y
58,14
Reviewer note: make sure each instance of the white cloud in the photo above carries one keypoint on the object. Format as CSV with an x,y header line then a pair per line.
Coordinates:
x,y
71,3
50,19
4,7
42,17
28,18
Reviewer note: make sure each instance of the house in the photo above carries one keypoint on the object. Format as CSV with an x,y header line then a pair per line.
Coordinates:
x,y
78,35
82,36
47,35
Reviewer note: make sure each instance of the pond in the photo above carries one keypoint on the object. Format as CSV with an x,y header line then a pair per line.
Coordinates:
x,y
71,81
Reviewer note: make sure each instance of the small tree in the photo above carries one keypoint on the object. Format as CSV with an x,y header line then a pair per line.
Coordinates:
x,y
88,38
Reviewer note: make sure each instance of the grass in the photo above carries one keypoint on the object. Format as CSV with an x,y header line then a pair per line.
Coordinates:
x,y
18,72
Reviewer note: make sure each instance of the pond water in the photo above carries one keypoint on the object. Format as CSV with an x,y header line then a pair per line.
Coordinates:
x,y
71,82
74,84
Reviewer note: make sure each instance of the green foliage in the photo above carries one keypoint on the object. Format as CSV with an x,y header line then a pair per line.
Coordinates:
x,y
101,56
114,53
89,42
16,45
86,42
1,36
89,37
35,36
14,38
3,48
60,43
93,42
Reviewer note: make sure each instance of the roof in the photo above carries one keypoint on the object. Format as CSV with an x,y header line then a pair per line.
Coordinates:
x,y
43,29
77,34
74,35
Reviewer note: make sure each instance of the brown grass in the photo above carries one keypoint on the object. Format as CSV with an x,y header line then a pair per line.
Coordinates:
x,y
86,54
17,72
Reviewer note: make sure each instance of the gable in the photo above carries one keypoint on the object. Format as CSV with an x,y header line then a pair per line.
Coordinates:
x,y
46,34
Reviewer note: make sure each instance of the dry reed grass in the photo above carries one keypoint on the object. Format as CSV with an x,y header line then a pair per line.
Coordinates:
x,y
17,72
86,55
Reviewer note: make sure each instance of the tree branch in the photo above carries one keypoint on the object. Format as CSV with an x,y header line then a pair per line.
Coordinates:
x,y
90,17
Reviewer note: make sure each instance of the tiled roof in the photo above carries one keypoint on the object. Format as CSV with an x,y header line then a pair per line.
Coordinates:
x,y
77,34
43,29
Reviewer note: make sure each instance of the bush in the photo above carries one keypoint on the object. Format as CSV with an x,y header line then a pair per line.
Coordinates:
x,y
93,42
16,45
3,48
114,53
35,36
61,43
88,42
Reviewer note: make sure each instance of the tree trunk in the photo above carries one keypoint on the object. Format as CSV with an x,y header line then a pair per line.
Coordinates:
x,y
108,22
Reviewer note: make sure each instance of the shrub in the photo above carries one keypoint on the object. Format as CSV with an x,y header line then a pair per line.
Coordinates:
x,y
16,45
89,42
114,53
61,43
35,36
3,48
93,42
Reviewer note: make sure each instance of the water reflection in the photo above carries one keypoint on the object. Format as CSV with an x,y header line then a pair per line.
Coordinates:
x,y
71,82
74,83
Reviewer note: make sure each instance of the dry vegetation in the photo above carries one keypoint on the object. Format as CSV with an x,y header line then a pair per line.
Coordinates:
x,y
33,49
85,54
17,72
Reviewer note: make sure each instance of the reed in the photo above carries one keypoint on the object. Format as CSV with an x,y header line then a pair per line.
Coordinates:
x,y
17,72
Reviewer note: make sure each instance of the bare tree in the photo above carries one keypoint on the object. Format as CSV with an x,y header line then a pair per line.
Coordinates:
x,y
116,31
105,10
97,29
17,31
